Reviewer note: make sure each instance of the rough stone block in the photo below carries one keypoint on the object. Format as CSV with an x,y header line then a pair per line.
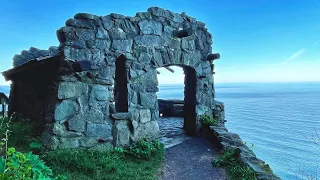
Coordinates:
x,y
148,130
71,89
99,93
68,143
87,142
145,115
101,131
150,27
148,99
107,22
122,116
121,133
122,45
77,124
188,45
65,110
149,40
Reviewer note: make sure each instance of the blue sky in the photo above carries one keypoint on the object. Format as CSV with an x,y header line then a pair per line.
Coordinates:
x,y
259,40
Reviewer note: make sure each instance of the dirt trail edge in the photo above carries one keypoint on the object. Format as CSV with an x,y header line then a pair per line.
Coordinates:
x,y
191,160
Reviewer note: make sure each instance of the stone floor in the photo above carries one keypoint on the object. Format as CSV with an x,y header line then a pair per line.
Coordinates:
x,y
171,131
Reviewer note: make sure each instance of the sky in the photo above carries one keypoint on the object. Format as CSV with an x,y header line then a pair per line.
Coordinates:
x,y
258,40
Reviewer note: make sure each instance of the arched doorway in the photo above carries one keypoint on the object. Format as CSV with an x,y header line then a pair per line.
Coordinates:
x,y
179,105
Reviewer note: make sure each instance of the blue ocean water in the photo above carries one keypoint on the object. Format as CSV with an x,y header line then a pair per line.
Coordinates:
x,y
277,118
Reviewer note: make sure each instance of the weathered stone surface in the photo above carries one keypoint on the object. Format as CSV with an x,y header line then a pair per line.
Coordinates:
x,y
107,22
65,110
99,93
150,27
122,116
147,130
71,89
68,143
145,115
101,131
149,40
87,142
121,133
122,45
77,124
148,99
102,34
188,45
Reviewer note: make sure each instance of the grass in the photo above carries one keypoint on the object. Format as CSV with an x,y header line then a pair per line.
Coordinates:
x,y
141,161
235,170
87,164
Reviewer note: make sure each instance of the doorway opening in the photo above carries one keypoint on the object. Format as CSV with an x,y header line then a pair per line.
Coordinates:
x,y
176,101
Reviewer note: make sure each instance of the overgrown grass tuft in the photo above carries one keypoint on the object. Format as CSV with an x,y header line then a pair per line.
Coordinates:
x,y
236,171
93,164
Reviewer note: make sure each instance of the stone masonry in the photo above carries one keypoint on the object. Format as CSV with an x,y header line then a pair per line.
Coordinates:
x,y
98,88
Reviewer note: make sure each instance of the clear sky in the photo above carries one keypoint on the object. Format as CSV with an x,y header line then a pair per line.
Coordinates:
x,y
259,40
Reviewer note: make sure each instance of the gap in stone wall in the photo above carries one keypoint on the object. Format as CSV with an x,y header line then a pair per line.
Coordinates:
x,y
120,87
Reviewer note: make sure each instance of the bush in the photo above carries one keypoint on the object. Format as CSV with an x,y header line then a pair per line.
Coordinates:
x,y
236,171
144,149
208,121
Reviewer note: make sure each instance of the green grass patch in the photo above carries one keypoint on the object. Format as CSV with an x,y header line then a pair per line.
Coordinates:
x,y
236,171
89,164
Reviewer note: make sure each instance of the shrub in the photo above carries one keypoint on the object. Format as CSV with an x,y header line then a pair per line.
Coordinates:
x,y
208,121
236,171
144,149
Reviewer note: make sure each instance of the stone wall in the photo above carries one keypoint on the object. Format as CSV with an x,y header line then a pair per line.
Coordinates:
x,y
171,107
95,107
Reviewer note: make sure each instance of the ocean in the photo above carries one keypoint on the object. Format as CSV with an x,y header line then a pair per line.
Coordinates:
x,y
277,118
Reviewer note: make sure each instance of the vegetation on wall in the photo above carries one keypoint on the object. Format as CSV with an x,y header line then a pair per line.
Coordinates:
x,y
208,121
229,159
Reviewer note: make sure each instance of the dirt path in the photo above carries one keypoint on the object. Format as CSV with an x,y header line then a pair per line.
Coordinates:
x,y
191,160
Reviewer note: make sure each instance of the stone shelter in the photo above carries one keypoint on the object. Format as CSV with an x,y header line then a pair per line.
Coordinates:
x,y
97,89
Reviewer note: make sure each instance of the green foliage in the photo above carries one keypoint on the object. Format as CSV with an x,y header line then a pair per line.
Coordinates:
x,y
20,166
116,164
208,121
22,133
145,149
236,171
15,165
